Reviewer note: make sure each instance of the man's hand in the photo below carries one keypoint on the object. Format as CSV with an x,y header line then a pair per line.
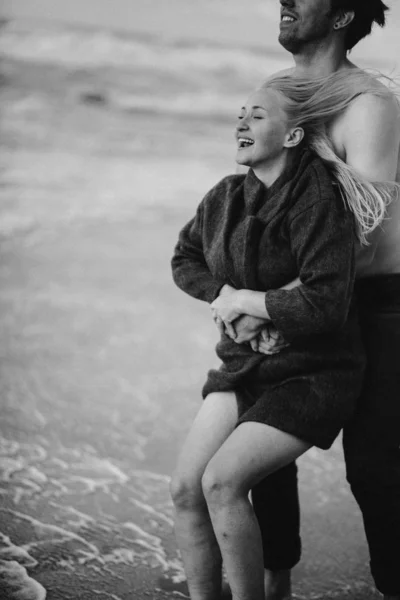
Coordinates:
x,y
247,328
269,341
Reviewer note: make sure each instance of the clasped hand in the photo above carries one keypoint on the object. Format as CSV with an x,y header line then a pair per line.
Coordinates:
x,y
229,317
226,308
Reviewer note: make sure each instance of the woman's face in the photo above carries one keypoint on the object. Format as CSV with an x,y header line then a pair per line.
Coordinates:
x,y
262,129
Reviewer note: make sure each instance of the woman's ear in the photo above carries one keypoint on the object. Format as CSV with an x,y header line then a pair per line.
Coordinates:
x,y
294,137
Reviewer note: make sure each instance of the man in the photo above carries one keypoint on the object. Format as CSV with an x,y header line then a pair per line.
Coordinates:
x,y
319,34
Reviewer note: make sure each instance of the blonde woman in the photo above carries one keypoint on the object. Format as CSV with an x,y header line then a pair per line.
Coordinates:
x,y
251,235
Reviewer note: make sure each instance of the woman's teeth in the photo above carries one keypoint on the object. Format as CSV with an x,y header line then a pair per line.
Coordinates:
x,y
245,142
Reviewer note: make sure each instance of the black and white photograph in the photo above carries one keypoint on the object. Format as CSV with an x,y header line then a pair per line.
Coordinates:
x,y
200,300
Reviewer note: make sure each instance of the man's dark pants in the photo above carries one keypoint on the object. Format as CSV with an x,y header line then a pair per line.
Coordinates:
x,y
371,443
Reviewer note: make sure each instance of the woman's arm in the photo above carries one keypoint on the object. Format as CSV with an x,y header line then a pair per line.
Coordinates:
x,y
189,268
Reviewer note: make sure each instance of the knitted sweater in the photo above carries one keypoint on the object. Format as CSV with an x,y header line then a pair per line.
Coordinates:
x,y
248,236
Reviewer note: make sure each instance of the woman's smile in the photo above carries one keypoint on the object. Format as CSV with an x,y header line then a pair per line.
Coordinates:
x,y
244,142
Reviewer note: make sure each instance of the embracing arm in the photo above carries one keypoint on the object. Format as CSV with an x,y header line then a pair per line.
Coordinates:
x,y
322,241
247,328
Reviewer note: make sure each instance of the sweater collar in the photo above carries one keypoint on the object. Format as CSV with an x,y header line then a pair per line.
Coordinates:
x,y
297,163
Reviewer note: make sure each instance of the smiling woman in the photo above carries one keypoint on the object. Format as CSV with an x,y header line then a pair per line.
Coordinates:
x,y
264,136
251,235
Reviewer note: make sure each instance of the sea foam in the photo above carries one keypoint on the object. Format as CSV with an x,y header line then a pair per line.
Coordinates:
x,y
16,584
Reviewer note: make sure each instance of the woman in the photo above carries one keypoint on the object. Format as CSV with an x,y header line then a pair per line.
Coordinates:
x,y
250,236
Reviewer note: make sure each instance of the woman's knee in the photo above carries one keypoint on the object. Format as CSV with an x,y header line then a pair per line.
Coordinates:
x,y
186,492
218,487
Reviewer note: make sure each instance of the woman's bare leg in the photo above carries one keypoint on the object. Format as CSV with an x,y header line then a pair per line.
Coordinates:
x,y
251,452
277,586
196,540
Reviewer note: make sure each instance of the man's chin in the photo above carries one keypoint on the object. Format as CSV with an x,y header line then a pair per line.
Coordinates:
x,y
289,42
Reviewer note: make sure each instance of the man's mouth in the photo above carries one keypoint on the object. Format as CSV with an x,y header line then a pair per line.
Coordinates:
x,y
245,142
287,18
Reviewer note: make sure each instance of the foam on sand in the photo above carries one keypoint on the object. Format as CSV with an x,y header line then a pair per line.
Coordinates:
x,y
16,584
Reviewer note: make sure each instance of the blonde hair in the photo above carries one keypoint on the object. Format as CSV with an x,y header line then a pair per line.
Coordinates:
x,y
311,104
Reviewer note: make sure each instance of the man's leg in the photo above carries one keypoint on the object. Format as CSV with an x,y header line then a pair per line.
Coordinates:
x,y
372,440
276,505
372,453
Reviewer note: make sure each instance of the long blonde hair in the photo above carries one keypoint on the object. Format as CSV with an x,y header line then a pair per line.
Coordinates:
x,y
312,104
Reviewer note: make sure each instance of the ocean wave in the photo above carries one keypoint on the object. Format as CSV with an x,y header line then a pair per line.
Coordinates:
x,y
82,48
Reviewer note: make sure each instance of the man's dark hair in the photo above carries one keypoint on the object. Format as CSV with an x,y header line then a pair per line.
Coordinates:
x,y
367,12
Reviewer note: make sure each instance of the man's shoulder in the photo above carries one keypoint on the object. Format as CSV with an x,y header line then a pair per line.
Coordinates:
x,y
378,101
373,105
372,120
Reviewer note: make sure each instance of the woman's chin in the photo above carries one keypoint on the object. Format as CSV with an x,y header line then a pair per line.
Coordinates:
x,y
241,160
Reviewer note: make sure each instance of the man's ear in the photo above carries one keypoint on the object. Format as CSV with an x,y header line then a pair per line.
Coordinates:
x,y
294,137
343,19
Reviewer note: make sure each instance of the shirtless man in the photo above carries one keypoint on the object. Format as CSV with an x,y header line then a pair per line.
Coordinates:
x,y
319,34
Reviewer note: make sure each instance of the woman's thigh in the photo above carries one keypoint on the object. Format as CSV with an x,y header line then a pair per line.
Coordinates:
x,y
250,453
215,421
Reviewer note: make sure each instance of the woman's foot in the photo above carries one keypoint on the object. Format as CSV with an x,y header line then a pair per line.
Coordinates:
x,y
277,586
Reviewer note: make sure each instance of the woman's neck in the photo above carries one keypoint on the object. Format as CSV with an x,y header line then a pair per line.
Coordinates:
x,y
269,171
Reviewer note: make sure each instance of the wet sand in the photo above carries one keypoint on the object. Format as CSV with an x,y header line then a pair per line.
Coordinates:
x,y
102,358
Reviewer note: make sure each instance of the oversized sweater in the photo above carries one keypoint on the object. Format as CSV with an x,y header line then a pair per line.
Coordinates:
x,y
248,236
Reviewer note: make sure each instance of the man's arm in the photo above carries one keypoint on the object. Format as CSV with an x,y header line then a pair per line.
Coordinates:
x,y
247,328
367,137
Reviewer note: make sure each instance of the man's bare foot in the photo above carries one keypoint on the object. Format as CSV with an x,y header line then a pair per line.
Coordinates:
x,y
277,586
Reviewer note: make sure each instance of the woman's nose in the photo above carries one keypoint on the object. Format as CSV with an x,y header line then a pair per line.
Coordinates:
x,y
242,125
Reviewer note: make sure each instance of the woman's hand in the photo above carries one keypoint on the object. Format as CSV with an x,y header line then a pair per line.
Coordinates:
x,y
269,341
226,308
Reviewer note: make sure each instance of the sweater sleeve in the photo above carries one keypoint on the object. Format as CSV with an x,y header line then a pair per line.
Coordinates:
x,y
323,241
189,267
